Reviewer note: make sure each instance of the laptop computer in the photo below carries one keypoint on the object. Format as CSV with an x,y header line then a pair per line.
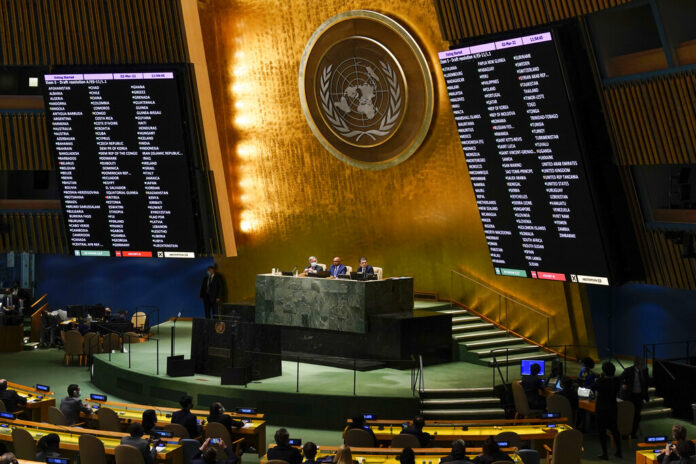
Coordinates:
x,y
320,274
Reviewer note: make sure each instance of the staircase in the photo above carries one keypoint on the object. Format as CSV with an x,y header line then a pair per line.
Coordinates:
x,y
476,338
655,407
461,404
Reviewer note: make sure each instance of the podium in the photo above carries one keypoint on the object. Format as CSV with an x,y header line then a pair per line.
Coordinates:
x,y
235,349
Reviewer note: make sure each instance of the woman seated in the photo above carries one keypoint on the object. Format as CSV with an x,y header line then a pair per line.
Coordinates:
x,y
47,447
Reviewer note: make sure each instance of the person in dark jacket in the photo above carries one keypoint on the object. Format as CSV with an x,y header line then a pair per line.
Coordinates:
x,y
491,453
185,418
458,454
48,447
533,388
634,388
309,451
211,292
358,422
416,428
606,388
149,421
136,440
586,377
570,393
217,414
407,456
283,450
678,434
214,454
13,402
71,406
680,453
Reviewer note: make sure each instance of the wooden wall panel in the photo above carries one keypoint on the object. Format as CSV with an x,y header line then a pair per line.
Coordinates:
x,y
91,32
24,142
461,19
37,232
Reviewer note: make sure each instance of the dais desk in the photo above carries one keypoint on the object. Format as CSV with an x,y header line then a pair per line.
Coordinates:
x,y
330,304
448,433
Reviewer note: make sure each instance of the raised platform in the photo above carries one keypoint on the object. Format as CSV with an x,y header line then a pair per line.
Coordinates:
x,y
305,395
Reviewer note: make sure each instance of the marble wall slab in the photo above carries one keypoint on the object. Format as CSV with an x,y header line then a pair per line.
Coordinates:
x,y
341,305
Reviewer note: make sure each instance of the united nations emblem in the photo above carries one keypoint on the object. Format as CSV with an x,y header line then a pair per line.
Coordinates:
x,y
366,89
220,327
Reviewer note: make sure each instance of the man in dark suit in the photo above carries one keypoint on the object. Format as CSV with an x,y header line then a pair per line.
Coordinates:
x,y
185,418
365,268
337,268
12,400
214,454
136,441
416,428
217,414
211,292
458,453
606,388
71,406
283,450
634,388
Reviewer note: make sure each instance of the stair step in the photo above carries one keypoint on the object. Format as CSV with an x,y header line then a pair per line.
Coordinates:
x,y
657,412
519,357
654,402
478,335
512,350
465,319
471,327
492,413
480,401
491,343
454,312
458,392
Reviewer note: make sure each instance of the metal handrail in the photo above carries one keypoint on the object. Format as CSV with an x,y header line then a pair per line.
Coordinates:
x,y
501,295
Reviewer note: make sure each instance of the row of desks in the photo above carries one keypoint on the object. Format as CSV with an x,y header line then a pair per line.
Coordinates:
x,y
70,436
391,455
446,432
38,402
253,432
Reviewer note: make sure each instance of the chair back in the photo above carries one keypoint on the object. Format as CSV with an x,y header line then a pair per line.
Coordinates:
x,y
24,444
349,269
520,399
624,417
567,447
177,430
190,448
56,416
359,437
91,450
378,272
138,320
127,454
108,420
91,343
111,342
513,439
217,430
405,440
3,408
529,456
561,405
322,266
131,337
73,343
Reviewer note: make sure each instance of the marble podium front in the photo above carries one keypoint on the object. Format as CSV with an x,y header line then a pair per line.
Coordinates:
x,y
329,304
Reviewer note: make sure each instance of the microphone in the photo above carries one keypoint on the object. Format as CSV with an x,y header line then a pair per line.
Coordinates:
x,y
294,268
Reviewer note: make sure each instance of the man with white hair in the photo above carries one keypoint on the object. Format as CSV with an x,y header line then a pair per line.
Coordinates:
x,y
313,267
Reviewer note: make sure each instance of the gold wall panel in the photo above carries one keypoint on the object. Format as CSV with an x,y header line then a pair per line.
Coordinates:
x,y
291,198
24,142
460,19
36,232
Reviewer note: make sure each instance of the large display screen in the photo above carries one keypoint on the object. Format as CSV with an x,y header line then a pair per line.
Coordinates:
x,y
525,158
121,152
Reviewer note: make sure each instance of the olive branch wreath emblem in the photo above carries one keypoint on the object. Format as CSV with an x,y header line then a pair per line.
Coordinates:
x,y
339,124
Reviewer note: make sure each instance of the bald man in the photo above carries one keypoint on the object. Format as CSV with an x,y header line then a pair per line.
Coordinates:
x,y
13,402
337,269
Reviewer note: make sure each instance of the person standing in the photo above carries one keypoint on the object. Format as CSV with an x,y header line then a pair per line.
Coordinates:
x,y
634,388
211,291
606,388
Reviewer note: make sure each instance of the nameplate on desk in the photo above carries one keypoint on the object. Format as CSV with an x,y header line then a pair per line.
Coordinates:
x,y
95,397
7,415
219,352
43,388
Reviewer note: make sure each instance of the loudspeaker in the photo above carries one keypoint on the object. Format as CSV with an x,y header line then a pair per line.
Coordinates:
x,y
177,366
235,376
